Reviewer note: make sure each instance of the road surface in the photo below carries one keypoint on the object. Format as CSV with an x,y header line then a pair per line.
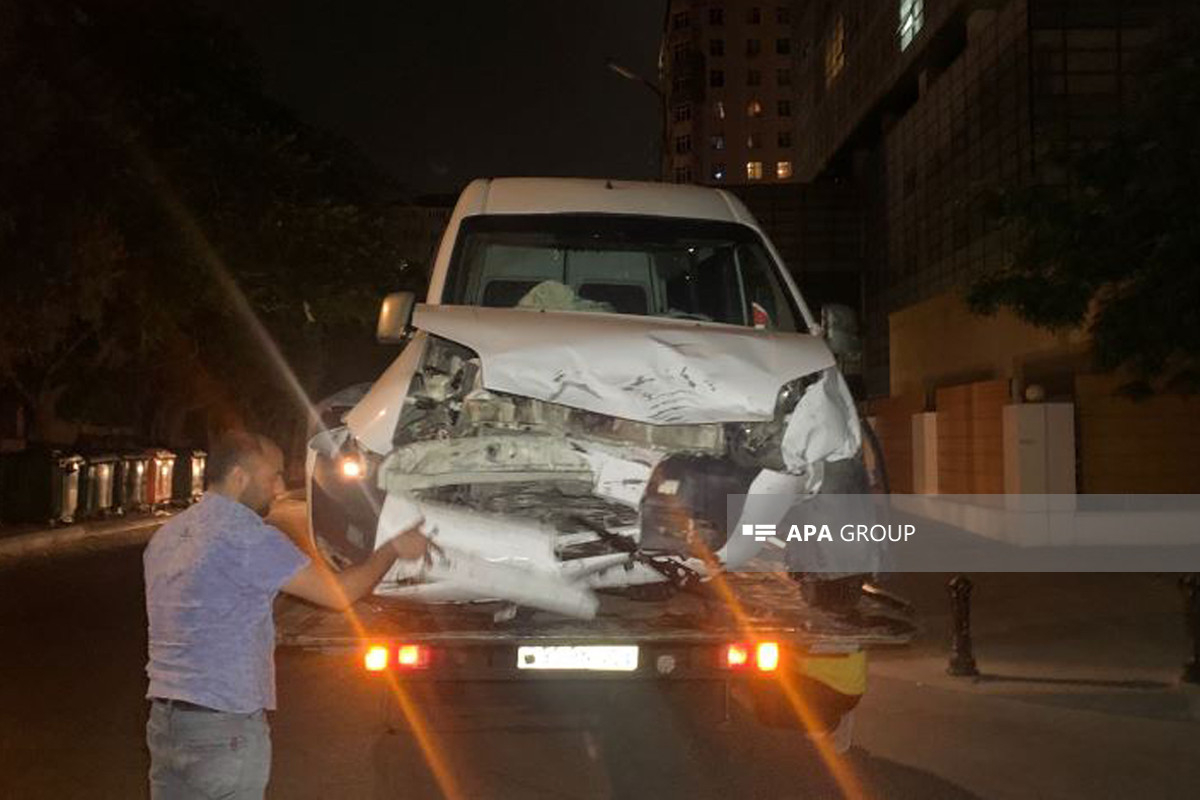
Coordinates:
x,y
1080,702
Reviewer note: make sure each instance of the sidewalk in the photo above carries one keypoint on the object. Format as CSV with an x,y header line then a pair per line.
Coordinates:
x,y
26,541
1079,692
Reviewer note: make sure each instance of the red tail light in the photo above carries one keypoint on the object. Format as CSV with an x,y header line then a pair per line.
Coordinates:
x,y
412,656
376,658
736,656
766,656
763,655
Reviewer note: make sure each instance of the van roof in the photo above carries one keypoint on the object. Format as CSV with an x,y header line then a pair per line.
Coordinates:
x,y
599,196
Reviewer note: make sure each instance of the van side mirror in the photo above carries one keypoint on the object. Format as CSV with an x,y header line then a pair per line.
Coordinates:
x,y
395,317
839,324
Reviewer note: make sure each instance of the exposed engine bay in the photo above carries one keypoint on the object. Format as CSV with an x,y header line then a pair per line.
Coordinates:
x,y
539,503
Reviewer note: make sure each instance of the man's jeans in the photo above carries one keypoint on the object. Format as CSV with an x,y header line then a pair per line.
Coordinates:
x,y
207,754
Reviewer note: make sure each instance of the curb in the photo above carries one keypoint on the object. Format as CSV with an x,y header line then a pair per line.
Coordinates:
x,y
77,537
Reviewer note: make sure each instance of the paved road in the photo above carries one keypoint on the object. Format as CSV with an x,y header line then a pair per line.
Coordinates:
x,y
1058,725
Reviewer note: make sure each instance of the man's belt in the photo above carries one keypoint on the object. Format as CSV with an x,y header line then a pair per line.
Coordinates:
x,y
183,705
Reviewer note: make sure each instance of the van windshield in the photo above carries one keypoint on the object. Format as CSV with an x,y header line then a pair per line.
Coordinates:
x,y
648,266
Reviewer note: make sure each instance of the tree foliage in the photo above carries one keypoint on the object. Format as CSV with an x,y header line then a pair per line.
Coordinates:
x,y
148,186
1115,244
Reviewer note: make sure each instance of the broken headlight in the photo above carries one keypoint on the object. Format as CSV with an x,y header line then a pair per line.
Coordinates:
x,y
345,501
756,444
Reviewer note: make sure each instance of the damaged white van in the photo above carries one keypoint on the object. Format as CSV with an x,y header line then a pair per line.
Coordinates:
x,y
596,367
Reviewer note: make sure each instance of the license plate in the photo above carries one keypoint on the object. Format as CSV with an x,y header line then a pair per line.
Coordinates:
x,y
601,658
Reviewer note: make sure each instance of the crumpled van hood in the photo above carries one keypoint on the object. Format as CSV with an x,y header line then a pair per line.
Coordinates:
x,y
647,369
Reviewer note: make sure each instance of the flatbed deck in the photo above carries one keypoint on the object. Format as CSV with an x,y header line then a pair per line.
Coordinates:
x,y
770,606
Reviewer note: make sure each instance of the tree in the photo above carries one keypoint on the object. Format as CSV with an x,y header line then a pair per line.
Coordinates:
x,y
1115,245
163,225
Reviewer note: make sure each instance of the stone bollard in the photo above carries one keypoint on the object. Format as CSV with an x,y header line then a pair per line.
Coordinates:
x,y
1190,586
962,659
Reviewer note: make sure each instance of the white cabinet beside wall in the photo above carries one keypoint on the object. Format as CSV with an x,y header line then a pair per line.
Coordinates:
x,y
1039,448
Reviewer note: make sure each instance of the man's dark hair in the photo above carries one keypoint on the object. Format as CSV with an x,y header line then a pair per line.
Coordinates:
x,y
231,449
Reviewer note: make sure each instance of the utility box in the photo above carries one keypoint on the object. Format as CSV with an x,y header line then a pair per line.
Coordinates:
x,y
1039,448
925,452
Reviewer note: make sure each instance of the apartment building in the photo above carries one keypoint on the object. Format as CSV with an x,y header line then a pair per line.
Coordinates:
x,y
728,72
928,106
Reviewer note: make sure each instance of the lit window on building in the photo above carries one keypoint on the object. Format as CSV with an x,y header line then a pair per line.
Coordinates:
x,y
718,141
754,109
783,77
683,113
716,47
753,47
784,139
683,144
754,171
754,15
719,109
783,170
835,51
783,46
783,15
912,17
716,78
784,108
753,141
718,172
753,77
716,16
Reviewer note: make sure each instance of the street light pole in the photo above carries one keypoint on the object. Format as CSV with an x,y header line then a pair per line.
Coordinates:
x,y
663,142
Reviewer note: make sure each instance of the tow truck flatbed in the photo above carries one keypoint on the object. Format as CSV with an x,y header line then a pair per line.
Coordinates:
x,y
770,606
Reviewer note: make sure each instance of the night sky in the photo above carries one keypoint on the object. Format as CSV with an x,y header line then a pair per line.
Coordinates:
x,y
441,92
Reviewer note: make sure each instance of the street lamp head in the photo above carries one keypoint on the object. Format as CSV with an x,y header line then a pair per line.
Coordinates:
x,y
628,74
624,72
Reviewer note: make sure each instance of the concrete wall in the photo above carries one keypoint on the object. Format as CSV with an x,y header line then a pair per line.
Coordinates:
x,y
1150,446
925,451
940,342
970,437
891,419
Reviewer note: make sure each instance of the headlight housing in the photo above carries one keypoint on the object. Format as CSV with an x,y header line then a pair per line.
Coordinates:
x,y
756,444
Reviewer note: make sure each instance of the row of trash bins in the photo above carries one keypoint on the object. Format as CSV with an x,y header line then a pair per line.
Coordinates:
x,y
56,487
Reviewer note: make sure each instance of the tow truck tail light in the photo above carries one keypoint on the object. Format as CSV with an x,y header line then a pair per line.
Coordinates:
x,y
376,659
412,656
766,656
762,655
737,655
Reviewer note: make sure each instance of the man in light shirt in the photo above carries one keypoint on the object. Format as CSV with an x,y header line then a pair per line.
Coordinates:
x,y
212,574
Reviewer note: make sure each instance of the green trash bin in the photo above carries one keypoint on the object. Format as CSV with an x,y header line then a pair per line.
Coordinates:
x,y
41,485
97,485
189,476
129,484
